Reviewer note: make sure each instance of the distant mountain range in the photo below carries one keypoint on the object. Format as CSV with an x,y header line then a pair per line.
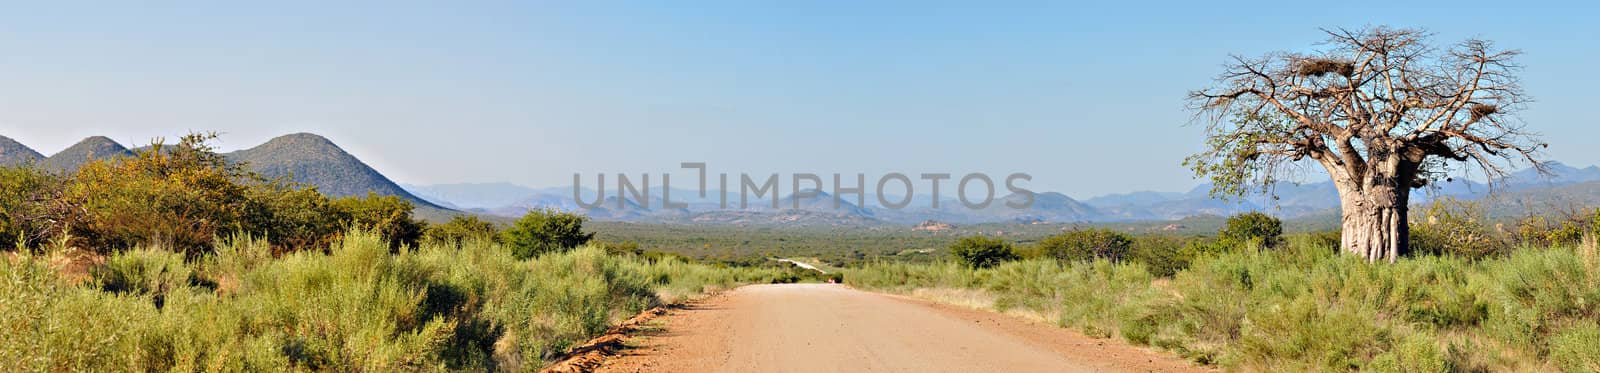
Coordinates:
x,y
1521,191
314,160
305,158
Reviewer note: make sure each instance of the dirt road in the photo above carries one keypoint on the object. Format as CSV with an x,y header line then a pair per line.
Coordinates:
x,y
831,328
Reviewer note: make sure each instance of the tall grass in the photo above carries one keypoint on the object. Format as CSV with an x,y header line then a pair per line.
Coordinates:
x,y
1302,307
359,306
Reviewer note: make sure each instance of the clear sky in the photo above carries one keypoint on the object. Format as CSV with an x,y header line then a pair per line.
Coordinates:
x,y
1087,99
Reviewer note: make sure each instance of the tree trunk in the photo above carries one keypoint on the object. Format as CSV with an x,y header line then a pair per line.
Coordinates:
x,y
1374,222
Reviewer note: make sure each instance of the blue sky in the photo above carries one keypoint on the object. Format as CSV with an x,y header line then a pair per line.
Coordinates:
x,y
1087,99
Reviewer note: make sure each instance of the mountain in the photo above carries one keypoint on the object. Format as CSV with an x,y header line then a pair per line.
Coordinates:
x,y
14,153
819,201
311,159
94,147
1140,198
1047,207
1560,174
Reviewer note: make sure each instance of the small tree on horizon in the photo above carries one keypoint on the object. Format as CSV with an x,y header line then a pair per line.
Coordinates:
x,y
982,252
544,231
1086,244
1254,226
1381,110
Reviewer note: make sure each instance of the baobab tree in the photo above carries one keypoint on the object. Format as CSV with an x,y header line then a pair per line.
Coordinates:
x,y
1380,109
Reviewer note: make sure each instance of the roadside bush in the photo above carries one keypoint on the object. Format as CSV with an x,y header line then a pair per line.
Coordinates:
x,y
1252,227
905,276
1306,307
982,252
545,231
1162,255
360,306
1086,244
1090,296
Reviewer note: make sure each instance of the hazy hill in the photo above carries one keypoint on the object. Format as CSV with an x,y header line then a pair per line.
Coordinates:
x,y
75,156
313,160
14,153
1140,198
472,195
822,202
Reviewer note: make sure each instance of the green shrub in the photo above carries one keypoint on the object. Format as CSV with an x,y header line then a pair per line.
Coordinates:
x,y
389,216
1305,307
1533,293
179,197
1086,244
26,214
982,252
1577,349
461,228
904,276
1252,227
1163,255
1448,226
545,231
143,272
294,217
1415,352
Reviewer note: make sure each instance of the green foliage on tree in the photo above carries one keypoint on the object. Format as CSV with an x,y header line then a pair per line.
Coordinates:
x,y
1086,244
28,215
1162,255
461,228
982,252
293,217
1252,227
389,216
179,197
545,231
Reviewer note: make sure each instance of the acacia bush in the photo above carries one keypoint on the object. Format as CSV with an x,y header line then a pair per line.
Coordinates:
x,y
1254,227
28,215
544,231
1449,226
1162,255
389,216
1086,244
178,197
982,252
294,217
460,229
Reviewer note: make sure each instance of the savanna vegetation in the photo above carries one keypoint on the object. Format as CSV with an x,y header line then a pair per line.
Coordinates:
x,y
1473,297
175,259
